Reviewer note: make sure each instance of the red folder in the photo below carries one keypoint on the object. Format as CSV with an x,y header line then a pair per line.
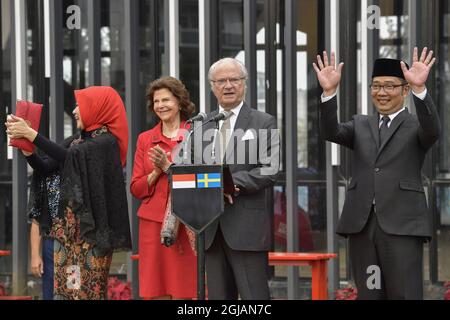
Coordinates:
x,y
31,113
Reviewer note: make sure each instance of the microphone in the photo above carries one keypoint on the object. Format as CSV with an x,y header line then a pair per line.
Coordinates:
x,y
222,115
200,117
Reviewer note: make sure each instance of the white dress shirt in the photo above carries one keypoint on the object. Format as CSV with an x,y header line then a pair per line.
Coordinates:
x,y
234,114
391,117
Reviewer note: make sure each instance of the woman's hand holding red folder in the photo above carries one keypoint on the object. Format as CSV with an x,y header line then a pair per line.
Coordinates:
x,y
17,128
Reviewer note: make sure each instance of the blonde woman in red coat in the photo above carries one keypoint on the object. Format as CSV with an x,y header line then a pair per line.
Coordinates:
x,y
164,272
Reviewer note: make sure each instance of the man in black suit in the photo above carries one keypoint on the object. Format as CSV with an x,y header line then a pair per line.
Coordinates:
x,y
237,244
385,214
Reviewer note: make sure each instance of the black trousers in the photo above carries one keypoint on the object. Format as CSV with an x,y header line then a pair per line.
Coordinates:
x,y
399,258
233,273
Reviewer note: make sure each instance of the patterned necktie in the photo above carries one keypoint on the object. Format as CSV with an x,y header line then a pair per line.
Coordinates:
x,y
224,137
384,129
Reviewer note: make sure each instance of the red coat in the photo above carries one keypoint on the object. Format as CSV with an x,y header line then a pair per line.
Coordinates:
x,y
162,271
154,198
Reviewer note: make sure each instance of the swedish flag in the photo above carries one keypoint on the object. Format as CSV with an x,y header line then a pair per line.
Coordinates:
x,y
208,180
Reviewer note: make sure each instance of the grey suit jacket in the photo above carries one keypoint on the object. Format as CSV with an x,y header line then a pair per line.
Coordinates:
x,y
390,173
246,224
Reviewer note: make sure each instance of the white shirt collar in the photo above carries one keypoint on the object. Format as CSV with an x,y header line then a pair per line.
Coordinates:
x,y
393,115
235,110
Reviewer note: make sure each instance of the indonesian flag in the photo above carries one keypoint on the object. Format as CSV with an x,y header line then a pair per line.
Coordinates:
x,y
183,181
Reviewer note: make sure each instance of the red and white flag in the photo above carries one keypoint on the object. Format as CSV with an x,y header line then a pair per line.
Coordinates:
x,y
183,181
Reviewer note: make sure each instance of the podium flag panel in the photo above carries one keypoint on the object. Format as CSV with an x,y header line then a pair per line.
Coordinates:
x,y
197,194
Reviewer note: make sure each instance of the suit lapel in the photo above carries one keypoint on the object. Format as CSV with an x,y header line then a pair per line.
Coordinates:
x,y
241,123
243,118
374,128
398,120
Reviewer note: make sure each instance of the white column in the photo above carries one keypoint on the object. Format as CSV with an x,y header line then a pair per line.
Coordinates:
x,y
334,40
47,37
174,42
20,44
19,165
20,49
203,81
364,59
413,17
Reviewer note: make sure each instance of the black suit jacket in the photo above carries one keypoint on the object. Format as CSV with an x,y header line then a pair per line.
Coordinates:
x,y
246,224
390,173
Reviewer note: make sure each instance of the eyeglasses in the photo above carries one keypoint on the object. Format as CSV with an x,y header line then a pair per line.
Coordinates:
x,y
387,87
233,81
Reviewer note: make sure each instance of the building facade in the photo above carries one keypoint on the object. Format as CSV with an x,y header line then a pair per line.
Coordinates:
x,y
51,47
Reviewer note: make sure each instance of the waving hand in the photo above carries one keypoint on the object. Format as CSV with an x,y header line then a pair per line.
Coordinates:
x,y
327,74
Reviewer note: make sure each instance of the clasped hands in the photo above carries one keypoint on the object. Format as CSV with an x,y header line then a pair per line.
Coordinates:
x,y
159,158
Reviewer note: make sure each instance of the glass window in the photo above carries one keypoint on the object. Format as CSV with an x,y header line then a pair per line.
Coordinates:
x,y
444,92
394,27
310,150
112,45
75,63
113,74
311,201
189,52
231,28
261,56
443,233
311,221
443,163
151,46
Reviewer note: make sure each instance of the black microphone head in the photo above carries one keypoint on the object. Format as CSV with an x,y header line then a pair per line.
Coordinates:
x,y
199,117
202,116
222,115
227,114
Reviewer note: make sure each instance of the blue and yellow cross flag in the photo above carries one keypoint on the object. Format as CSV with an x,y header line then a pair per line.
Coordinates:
x,y
208,180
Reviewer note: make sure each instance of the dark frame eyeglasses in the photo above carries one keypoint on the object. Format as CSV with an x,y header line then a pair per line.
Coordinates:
x,y
387,87
233,81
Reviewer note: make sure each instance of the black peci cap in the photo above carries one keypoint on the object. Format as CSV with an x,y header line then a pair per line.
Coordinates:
x,y
388,67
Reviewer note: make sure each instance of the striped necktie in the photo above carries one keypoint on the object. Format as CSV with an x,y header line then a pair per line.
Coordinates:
x,y
225,133
384,129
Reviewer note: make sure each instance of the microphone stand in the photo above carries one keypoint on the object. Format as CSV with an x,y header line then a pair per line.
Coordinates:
x,y
191,132
213,149
216,132
200,243
186,144
188,140
200,237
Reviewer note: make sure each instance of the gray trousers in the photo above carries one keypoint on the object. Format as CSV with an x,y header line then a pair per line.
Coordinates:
x,y
398,257
232,273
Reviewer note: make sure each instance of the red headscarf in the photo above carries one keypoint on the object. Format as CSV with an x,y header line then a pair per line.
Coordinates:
x,y
102,106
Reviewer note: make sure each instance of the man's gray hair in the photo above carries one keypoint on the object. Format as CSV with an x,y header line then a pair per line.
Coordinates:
x,y
236,62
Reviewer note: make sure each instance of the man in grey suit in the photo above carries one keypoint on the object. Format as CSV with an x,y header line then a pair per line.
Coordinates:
x,y
237,244
385,214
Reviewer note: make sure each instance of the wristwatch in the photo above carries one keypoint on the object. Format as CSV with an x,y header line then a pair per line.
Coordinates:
x,y
166,170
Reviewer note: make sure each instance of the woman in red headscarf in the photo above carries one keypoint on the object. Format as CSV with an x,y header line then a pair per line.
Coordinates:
x,y
92,221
